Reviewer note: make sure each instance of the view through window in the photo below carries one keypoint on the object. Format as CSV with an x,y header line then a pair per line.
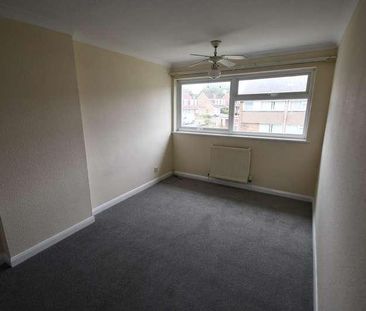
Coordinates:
x,y
206,105
270,116
273,85
260,106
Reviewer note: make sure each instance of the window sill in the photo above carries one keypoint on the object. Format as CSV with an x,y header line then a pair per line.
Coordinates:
x,y
279,139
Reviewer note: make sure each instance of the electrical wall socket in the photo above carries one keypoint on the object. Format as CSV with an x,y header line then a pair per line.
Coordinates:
x,y
156,170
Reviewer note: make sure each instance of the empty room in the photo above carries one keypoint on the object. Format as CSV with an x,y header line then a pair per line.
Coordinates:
x,y
183,155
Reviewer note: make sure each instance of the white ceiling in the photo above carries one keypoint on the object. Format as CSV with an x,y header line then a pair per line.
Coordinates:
x,y
167,31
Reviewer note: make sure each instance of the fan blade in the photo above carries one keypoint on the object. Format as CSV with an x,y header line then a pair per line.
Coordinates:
x,y
238,57
226,63
200,55
199,63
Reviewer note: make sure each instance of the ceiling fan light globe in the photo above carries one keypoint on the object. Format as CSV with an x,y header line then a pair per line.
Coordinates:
x,y
214,73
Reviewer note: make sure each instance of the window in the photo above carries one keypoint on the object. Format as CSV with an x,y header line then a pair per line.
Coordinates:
x,y
211,109
274,85
275,104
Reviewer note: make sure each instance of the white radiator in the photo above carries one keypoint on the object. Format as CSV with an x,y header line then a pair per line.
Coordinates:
x,y
230,163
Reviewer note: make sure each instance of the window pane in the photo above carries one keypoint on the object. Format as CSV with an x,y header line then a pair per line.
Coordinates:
x,y
270,116
273,85
206,105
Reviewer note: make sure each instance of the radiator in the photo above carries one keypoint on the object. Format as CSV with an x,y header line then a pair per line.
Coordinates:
x,y
230,163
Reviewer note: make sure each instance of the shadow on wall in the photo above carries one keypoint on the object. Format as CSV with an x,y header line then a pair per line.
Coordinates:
x,y
4,252
166,162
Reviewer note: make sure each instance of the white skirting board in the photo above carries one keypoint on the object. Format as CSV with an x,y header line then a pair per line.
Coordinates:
x,y
250,187
19,258
129,194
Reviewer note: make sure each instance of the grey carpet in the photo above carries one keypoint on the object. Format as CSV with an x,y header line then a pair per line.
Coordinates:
x,y
180,245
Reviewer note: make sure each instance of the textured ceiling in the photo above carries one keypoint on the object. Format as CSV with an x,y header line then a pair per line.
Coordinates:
x,y
167,31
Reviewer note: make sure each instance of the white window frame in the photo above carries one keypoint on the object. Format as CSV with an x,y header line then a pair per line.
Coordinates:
x,y
234,96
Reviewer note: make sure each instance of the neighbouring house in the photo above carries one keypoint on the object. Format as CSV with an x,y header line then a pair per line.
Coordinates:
x,y
211,108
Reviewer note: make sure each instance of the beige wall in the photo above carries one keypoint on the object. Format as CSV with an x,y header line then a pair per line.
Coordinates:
x,y
3,246
341,201
126,111
286,166
43,181
2,243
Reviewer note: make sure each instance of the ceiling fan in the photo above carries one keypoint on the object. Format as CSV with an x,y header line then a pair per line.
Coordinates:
x,y
217,60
